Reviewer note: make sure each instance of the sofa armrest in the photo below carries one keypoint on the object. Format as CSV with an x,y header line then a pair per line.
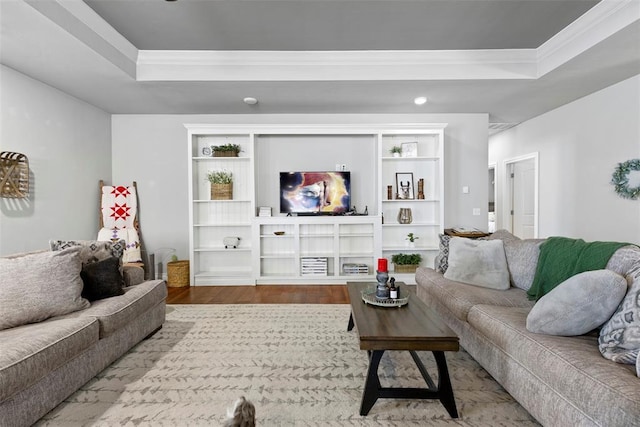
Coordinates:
x,y
132,274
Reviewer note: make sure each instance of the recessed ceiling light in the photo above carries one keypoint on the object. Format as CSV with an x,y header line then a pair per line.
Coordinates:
x,y
250,101
421,100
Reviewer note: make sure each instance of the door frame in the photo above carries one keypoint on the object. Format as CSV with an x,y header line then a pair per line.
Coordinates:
x,y
506,191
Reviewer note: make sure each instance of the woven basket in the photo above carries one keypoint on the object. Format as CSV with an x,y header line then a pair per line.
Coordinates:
x,y
177,274
224,154
221,191
407,268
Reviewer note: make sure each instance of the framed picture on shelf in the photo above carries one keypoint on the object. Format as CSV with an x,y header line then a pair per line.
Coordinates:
x,y
409,149
404,186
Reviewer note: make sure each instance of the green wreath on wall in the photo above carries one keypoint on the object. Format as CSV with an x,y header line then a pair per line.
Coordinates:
x,y
621,179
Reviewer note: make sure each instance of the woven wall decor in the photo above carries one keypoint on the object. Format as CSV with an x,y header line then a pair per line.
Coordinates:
x,y
14,175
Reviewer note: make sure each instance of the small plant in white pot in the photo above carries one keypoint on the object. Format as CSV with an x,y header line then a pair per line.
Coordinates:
x,y
221,185
396,151
411,240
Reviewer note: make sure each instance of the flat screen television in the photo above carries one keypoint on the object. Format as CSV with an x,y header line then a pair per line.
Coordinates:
x,y
320,193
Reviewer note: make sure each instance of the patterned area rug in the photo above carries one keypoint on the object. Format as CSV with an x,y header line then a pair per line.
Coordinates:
x,y
296,363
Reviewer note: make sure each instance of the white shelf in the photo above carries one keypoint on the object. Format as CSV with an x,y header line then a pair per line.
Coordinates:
x,y
223,201
232,159
410,200
225,224
222,249
407,248
402,159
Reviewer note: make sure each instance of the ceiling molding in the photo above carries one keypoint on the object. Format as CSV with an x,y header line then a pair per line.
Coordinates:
x,y
335,65
79,20
603,20
82,22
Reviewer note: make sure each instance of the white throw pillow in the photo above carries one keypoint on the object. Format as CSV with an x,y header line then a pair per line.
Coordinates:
x,y
478,262
578,305
37,286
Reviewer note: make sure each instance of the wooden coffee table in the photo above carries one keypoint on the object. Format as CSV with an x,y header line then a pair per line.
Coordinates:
x,y
412,327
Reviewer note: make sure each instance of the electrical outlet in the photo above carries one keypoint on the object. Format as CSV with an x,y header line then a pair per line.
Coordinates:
x,y
338,167
465,190
476,211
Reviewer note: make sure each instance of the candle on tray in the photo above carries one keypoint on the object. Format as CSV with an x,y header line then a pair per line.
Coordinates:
x,y
382,264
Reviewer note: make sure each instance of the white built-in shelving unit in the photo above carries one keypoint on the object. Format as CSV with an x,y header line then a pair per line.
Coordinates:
x,y
264,257
210,221
427,213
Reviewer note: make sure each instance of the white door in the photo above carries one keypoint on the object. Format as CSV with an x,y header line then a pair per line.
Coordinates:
x,y
523,198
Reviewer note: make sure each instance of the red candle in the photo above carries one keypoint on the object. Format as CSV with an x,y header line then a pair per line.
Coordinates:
x,y
382,264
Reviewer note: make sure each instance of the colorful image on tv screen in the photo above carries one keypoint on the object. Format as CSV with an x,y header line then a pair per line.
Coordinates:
x,y
319,192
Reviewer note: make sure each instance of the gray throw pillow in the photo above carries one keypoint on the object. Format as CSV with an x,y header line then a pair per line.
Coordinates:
x,y
478,262
102,279
38,286
578,305
522,260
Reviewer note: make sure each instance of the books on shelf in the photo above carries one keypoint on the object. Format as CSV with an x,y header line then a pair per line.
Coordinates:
x,y
313,266
352,269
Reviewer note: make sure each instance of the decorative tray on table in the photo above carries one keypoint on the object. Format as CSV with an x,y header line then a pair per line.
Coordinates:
x,y
369,297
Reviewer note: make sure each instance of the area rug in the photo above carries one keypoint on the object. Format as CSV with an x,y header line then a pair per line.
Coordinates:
x,y
296,363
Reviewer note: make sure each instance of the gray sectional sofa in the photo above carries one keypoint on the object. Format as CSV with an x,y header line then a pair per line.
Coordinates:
x,y
44,362
561,380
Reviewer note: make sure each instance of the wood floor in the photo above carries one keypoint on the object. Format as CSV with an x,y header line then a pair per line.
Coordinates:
x,y
265,294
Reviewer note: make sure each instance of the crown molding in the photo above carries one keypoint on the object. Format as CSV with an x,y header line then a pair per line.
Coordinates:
x,y
603,20
82,22
336,65
79,20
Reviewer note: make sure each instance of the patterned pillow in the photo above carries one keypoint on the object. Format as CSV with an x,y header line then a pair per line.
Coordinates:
x,y
620,337
92,250
441,263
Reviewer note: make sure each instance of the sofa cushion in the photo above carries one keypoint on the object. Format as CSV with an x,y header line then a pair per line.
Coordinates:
x,y
37,286
102,279
460,297
478,262
620,336
30,352
91,250
579,304
522,260
572,367
116,312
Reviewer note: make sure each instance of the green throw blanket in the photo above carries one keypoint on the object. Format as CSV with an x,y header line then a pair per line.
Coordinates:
x,y
561,258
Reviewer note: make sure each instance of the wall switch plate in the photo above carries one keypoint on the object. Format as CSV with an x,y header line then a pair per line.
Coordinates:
x,y
338,167
465,190
476,211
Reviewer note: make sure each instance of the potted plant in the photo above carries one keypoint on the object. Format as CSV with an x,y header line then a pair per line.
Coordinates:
x,y
396,151
411,239
406,263
221,185
226,150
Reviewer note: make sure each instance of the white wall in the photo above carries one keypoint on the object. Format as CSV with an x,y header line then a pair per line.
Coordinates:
x,y
68,144
579,145
152,150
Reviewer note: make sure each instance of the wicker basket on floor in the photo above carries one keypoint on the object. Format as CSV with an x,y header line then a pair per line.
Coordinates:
x,y
177,274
